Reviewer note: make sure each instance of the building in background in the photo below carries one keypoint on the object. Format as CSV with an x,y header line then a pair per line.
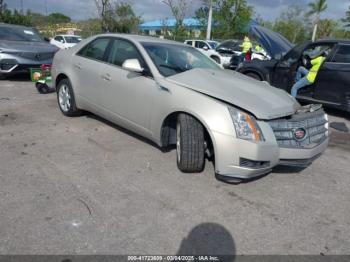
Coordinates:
x,y
165,27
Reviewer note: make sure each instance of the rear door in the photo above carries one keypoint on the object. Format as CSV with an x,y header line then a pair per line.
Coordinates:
x,y
127,96
86,67
332,82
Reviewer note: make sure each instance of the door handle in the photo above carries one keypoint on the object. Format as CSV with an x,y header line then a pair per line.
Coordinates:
x,y
106,77
79,66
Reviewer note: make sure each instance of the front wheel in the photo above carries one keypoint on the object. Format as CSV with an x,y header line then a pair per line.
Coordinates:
x,y
65,99
190,144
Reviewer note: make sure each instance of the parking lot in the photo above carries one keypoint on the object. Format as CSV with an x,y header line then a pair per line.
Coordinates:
x,y
85,186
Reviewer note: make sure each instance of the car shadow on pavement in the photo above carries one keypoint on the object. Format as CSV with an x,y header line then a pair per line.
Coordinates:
x,y
209,239
121,129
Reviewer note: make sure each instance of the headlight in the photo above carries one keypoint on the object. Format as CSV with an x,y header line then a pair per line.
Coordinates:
x,y
245,125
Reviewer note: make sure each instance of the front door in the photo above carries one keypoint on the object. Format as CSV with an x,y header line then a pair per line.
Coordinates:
x,y
125,94
86,66
284,72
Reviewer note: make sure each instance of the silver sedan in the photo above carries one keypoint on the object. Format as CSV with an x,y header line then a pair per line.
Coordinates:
x,y
175,96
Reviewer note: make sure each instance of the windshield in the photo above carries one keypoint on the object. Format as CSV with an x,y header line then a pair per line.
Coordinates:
x,y
72,39
19,34
213,44
173,59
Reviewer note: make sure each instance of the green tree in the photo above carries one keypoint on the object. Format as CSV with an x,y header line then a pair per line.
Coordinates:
x,y
230,17
293,24
346,20
124,18
179,10
119,17
58,18
316,8
326,28
14,17
90,27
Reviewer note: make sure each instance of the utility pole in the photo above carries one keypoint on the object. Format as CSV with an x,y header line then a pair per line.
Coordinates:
x,y
22,7
46,7
210,17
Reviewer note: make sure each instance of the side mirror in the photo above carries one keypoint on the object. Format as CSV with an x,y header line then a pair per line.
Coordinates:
x,y
133,65
205,48
46,39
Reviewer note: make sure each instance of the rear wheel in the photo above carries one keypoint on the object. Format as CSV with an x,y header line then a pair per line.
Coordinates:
x,y
65,99
190,144
254,75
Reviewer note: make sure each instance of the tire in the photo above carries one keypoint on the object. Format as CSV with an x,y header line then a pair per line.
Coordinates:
x,y
216,59
254,75
190,144
65,99
42,88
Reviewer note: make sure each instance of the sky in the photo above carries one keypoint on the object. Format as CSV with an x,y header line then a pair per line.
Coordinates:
x,y
155,9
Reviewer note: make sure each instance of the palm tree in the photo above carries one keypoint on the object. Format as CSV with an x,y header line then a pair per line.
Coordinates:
x,y
316,8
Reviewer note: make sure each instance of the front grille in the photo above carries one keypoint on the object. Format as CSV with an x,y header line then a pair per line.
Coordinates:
x,y
315,125
37,56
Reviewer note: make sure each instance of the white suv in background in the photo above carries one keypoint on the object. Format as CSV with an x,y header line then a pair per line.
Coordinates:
x,y
65,41
208,47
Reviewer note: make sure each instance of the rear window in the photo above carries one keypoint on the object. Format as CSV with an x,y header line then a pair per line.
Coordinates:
x,y
342,55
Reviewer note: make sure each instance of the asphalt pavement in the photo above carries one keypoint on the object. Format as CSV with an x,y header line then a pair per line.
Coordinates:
x,y
85,186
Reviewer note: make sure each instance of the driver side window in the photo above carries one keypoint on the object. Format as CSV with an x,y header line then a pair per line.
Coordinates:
x,y
122,50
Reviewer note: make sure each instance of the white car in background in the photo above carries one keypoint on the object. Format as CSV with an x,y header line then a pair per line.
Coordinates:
x,y
208,47
65,41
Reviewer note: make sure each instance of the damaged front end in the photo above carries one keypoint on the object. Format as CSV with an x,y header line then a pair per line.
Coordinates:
x,y
305,131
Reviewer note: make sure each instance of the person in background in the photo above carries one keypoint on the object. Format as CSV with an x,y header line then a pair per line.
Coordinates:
x,y
246,46
306,77
258,48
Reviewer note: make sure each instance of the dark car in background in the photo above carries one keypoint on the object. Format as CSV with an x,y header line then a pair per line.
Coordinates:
x,y
332,85
22,48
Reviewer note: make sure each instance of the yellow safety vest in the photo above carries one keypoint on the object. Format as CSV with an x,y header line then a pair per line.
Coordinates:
x,y
316,64
258,48
246,45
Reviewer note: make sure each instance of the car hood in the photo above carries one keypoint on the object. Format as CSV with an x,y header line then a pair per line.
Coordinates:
x,y
259,98
34,47
273,43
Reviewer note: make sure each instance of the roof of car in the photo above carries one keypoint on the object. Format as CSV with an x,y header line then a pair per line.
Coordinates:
x,y
141,38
